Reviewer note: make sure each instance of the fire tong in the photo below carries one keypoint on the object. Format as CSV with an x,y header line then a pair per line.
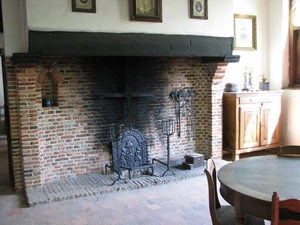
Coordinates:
x,y
184,99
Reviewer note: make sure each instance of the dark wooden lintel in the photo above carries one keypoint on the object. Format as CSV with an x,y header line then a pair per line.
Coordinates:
x,y
228,58
18,58
128,44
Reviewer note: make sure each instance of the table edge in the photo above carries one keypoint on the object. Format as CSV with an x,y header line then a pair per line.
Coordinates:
x,y
225,178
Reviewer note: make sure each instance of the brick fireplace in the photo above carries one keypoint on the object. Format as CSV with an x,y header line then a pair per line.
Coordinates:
x,y
71,137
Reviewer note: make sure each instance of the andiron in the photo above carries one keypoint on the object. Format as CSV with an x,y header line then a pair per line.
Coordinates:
x,y
116,132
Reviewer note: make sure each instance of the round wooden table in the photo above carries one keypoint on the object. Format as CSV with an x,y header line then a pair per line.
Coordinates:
x,y
248,184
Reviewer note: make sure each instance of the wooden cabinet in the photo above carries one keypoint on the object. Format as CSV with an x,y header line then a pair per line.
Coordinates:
x,y
251,121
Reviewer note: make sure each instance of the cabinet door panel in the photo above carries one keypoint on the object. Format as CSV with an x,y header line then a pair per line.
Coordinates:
x,y
249,125
270,120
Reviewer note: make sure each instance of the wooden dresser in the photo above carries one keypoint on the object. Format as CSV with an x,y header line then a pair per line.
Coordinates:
x,y
251,121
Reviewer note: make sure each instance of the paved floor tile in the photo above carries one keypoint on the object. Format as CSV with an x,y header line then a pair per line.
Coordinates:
x,y
181,202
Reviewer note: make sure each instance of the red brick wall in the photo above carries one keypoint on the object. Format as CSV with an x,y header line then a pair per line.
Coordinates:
x,y
72,137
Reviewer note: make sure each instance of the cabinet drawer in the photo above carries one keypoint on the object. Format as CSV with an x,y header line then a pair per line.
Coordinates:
x,y
258,99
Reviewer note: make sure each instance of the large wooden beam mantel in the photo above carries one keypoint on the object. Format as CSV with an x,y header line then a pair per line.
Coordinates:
x,y
129,44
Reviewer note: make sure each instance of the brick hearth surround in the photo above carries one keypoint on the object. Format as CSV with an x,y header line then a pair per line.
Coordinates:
x,y
72,137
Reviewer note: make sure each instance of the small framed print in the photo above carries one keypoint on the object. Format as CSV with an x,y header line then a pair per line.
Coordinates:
x,y
244,32
198,9
88,6
146,10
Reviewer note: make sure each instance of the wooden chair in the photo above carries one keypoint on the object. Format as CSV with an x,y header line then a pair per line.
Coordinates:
x,y
290,150
285,212
222,215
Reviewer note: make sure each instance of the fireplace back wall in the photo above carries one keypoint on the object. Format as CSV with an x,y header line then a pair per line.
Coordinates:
x,y
71,137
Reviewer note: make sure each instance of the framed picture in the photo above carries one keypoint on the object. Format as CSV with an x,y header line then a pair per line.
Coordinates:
x,y
84,6
244,32
146,10
198,9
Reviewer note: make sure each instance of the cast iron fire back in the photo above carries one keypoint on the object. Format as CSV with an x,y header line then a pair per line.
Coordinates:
x,y
129,152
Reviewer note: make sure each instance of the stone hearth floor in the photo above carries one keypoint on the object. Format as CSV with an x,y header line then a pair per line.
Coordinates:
x,y
95,183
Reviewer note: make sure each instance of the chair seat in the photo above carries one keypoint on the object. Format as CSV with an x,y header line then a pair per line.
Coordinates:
x,y
226,216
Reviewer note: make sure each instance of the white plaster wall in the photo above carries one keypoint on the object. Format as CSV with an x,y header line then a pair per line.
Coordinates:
x,y
258,59
290,117
271,56
113,16
278,41
14,26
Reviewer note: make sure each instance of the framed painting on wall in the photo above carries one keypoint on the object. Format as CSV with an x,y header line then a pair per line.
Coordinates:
x,y
84,6
146,10
198,9
245,32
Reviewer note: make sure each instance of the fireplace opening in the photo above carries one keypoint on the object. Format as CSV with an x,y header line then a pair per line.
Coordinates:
x,y
73,138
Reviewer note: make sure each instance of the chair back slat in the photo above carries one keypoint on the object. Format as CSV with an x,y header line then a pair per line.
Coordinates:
x,y
212,198
289,150
211,167
292,205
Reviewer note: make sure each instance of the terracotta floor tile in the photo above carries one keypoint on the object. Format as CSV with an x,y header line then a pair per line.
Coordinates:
x,y
177,203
